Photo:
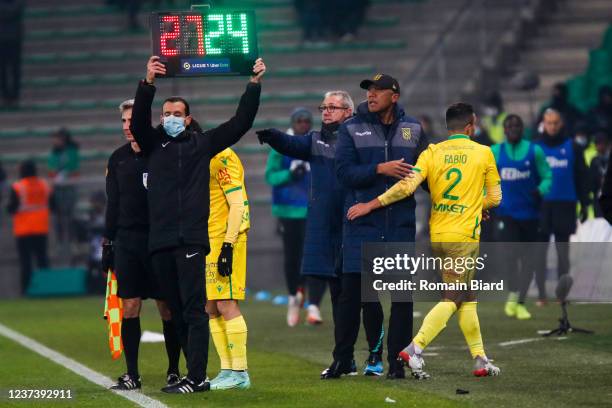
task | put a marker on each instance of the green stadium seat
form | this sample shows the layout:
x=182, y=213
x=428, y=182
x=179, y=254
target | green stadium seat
x=67, y=11
x=58, y=282
x=102, y=56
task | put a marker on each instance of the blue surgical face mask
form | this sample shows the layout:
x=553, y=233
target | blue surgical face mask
x=174, y=125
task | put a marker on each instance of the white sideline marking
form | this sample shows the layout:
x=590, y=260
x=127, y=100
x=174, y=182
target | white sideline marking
x=520, y=341
x=426, y=354
x=78, y=368
x=530, y=340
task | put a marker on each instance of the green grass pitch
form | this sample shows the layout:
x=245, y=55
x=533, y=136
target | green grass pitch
x=285, y=363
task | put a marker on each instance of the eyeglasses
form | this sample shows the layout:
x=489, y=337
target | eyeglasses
x=331, y=108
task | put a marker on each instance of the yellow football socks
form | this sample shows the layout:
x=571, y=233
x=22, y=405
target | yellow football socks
x=470, y=326
x=217, y=331
x=434, y=323
x=236, y=330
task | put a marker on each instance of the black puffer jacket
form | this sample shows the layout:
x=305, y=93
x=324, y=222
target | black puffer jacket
x=178, y=191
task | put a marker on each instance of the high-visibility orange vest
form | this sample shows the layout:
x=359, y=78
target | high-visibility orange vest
x=32, y=216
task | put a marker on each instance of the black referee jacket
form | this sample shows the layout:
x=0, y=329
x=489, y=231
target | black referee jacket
x=126, y=178
x=178, y=189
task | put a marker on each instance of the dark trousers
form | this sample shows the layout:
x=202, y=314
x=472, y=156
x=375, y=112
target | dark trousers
x=293, y=231
x=28, y=247
x=10, y=69
x=347, y=322
x=181, y=272
x=316, y=289
x=518, y=263
x=557, y=218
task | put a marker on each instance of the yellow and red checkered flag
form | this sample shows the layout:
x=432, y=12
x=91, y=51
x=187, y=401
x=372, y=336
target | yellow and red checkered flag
x=113, y=313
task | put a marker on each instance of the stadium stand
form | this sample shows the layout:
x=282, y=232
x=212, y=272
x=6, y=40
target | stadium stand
x=80, y=62
x=563, y=49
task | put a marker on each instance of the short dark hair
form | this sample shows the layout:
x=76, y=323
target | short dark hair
x=459, y=115
x=513, y=116
x=173, y=99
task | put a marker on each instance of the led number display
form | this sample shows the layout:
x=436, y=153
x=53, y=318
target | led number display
x=220, y=42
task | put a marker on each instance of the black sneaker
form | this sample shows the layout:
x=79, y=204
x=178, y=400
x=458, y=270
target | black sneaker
x=396, y=371
x=172, y=379
x=126, y=382
x=338, y=369
x=186, y=386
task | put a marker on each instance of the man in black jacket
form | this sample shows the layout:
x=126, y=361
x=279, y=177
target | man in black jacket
x=125, y=250
x=178, y=196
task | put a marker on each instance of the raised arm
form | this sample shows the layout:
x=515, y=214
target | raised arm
x=298, y=147
x=228, y=133
x=144, y=134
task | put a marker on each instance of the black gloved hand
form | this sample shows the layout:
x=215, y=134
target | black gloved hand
x=535, y=193
x=108, y=256
x=298, y=171
x=264, y=135
x=584, y=213
x=224, y=263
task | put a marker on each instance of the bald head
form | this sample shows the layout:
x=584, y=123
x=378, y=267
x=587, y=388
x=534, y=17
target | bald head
x=553, y=122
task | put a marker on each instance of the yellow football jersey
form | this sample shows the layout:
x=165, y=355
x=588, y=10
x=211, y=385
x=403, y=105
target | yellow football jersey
x=226, y=176
x=457, y=172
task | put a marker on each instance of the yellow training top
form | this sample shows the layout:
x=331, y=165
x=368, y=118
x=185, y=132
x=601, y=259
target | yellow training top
x=227, y=190
x=457, y=171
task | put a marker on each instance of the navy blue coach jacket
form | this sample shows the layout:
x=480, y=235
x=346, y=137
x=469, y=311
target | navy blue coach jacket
x=363, y=143
x=325, y=205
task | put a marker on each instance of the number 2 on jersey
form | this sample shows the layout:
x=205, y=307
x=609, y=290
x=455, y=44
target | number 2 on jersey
x=453, y=184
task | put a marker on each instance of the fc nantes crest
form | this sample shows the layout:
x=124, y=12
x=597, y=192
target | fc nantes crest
x=406, y=133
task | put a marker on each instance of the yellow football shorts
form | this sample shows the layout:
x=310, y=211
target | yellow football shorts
x=458, y=255
x=229, y=287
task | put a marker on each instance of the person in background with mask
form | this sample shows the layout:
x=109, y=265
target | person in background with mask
x=322, y=249
x=570, y=184
x=598, y=168
x=178, y=198
x=290, y=181
x=493, y=118
x=525, y=179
